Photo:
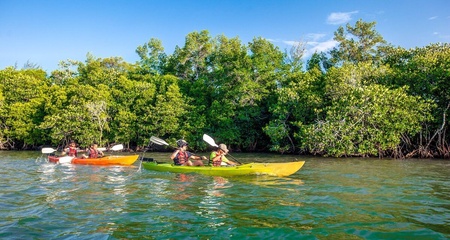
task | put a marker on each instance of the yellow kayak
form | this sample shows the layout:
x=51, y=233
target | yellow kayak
x=272, y=169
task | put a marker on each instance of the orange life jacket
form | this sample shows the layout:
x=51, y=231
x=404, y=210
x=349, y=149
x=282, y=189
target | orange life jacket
x=93, y=153
x=72, y=152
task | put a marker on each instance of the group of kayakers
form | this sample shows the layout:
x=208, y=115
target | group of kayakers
x=181, y=156
x=91, y=152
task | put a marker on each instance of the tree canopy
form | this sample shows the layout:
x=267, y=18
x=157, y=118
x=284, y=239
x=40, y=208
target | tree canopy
x=365, y=97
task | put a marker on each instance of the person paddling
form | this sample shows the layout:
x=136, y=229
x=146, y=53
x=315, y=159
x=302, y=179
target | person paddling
x=216, y=158
x=71, y=150
x=93, y=152
x=181, y=156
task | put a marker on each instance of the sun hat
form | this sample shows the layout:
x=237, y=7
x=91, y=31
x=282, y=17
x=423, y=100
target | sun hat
x=223, y=147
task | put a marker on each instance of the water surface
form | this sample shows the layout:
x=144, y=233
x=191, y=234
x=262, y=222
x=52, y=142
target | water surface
x=326, y=199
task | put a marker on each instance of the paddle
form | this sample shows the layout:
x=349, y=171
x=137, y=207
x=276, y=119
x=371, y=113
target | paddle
x=117, y=147
x=66, y=159
x=48, y=150
x=211, y=142
x=159, y=141
x=113, y=148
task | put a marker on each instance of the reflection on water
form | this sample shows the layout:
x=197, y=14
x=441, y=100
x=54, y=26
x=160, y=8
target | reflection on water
x=268, y=181
x=326, y=199
x=213, y=202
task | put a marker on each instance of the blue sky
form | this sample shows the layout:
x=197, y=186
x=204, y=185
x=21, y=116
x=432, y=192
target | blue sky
x=45, y=32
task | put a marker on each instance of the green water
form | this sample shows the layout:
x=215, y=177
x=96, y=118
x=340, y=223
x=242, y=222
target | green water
x=326, y=199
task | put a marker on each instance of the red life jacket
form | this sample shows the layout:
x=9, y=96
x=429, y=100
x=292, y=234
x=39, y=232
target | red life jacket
x=217, y=162
x=93, y=153
x=181, y=158
x=72, y=152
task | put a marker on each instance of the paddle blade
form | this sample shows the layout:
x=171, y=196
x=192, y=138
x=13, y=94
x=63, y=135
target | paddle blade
x=48, y=150
x=158, y=141
x=117, y=147
x=209, y=140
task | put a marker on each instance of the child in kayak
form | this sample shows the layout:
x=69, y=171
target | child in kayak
x=217, y=158
x=71, y=150
x=181, y=156
x=93, y=152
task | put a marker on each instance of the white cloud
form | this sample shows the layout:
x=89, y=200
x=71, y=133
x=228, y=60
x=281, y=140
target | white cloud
x=312, y=47
x=442, y=36
x=311, y=44
x=340, y=17
x=309, y=39
x=432, y=18
x=291, y=43
x=314, y=36
x=320, y=47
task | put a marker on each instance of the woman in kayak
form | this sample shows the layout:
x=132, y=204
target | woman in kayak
x=218, y=157
x=181, y=156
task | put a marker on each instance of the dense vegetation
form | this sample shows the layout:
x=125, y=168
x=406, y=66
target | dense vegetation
x=363, y=98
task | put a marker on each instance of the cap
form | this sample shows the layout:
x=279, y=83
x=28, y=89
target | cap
x=182, y=143
x=223, y=147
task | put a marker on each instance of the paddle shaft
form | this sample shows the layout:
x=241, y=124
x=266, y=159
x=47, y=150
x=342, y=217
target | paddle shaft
x=233, y=158
x=159, y=141
x=211, y=142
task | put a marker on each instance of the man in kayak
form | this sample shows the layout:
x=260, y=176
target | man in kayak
x=217, y=158
x=181, y=156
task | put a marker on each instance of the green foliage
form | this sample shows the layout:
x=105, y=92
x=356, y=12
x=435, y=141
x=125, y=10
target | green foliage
x=363, y=120
x=298, y=103
x=357, y=43
x=369, y=123
x=23, y=98
x=363, y=98
x=230, y=63
x=319, y=61
x=426, y=72
x=190, y=62
x=168, y=108
x=153, y=58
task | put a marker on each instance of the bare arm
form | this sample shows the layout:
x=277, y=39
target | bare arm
x=198, y=157
x=228, y=161
x=174, y=154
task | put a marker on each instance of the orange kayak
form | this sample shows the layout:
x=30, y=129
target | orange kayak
x=107, y=160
